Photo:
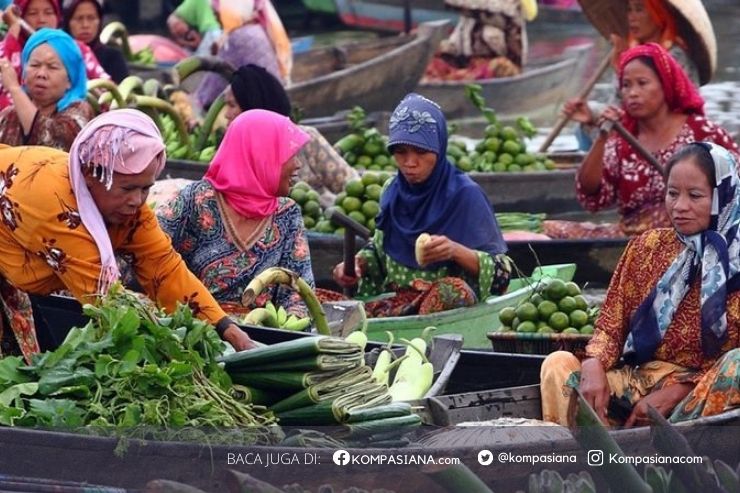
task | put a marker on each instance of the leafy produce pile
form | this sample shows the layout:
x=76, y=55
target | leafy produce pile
x=130, y=366
x=364, y=148
x=556, y=306
x=520, y=221
x=324, y=381
x=278, y=318
x=116, y=34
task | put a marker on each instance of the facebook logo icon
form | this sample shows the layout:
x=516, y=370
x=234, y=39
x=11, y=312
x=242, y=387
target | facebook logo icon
x=341, y=457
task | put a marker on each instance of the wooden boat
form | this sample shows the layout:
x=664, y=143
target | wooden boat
x=376, y=74
x=536, y=92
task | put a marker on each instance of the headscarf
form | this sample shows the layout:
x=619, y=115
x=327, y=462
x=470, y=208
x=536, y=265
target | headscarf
x=70, y=6
x=70, y=55
x=23, y=6
x=256, y=88
x=447, y=203
x=247, y=166
x=714, y=254
x=119, y=141
x=681, y=95
x=664, y=20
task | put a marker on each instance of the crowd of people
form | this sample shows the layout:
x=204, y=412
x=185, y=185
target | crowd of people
x=74, y=188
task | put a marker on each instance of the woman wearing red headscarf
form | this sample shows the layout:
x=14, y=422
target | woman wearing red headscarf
x=37, y=14
x=663, y=109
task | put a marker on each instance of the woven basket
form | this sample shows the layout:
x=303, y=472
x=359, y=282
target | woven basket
x=527, y=343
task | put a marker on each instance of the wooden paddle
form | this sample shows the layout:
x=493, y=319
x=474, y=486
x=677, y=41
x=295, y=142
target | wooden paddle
x=563, y=121
x=632, y=140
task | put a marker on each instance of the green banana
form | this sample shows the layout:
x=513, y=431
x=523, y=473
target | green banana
x=118, y=30
x=208, y=122
x=282, y=316
x=106, y=85
x=161, y=106
x=258, y=316
x=207, y=154
x=187, y=67
x=272, y=321
x=153, y=88
x=297, y=324
x=129, y=86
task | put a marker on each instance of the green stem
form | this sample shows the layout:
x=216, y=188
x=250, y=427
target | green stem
x=208, y=122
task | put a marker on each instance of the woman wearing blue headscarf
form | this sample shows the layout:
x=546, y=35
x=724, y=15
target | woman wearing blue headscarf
x=463, y=260
x=49, y=109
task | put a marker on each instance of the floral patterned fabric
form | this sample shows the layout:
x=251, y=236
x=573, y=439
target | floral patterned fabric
x=57, y=130
x=424, y=297
x=322, y=167
x=195, y=222
x=46, y=247
x=631, y=183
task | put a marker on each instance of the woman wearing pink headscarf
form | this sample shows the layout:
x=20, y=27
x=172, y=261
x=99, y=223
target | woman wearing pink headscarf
x=64, y=215
x=237, y=221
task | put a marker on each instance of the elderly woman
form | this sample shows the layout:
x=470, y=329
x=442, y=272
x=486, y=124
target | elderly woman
x=94, y=204
x=237, y=221
x=464, y=260
x=38, y=14
x=193, y=24
x=83, y=19
x=672, y=310
x=664, y=110
x=50, y=108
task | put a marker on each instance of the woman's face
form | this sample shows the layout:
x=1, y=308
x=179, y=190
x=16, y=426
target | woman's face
x=84, y=23
x=688, y=197
x=641, y=25
x=232, y=107
x=642, y=93
x=128, y=193
x=288, y=176
x=415, y=164
x=40, y=13
x=45, y=76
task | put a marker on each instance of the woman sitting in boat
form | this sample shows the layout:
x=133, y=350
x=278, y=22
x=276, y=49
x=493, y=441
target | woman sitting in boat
x=49, y=109
x=253, y=33
x=649, y=21
x=238, y=221
x=193, y=24
x=672, y=310
x=253, y=87
x=37, y=14
x=664, y=111
x=83, y=20
x=463, y=261
x=64, y=215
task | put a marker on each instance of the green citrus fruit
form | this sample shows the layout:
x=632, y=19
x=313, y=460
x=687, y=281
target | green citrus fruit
x=371, y=224
x=526, y=326
x=505, y=158
x=511, y=147
x=299, y=195
x=382, y=160
x=339, y=231
x=309, y=222
x=358, y=216
x=509, y=133
x=355, y=188
x=384, y=177
x=546, y=308
x=492, y=130
x=513, y=168
x=570, y=330
x=505, y=328
x=324, y=226
x=573, y=289
x=556, y=290
x=545, y=329
x=558, y=321
x=499, y=167
x=370, y=179
x=372, y=192
x=373, y=148
x=524, y=159
x=527, y=311
x=536, y=299
x=340, y=198
x=587, y=329
x=567, y=304
x=370, y=208
x=493, y=144
x=581, y=302
x=352, y=204
x=515, y=323
x=578, y=318
x=364, y=161
x=312, y=209
x=465, y=164
x=507, y=315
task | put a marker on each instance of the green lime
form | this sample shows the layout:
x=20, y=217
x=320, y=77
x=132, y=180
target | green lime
x=465, y=164
x=536, y=299
x=556, y=290
x=581, y=302
x=390, y=167
x=358, y=216
x=384, y=177
x=515, y=323
x=493, y=144
x=570, y=330
x=370, y=179
x=509, y=133
x=382, y=160
x=370, y=208
x=550, y=164
x=372, y=192
x=374, y=167
x=578, y=318
x=355, y=188
x=514, y=168
x=499, y=167
x=340, y=198
x=545, y=329
x=351, y=158
x=312, y=195
x=351, y=204
x=546, y=308
x=339, y=231
x=507, y=315
x=303, y=186
x=364, y=160
x=527, y=312
x=505, y=328
x=493, y=129
x=324, y=226
x=299, y=195
x=567, y=304
x=309, y=222
x=524, y=159
x=541, y=324
x=373, y=148
x=505, y=158
x=526, y=326
x=587, y=329
x=528, y=169
x=512, y=147
x=489, y=157
x=573, y=289
x=312, y=209
x=371, y=225
x=558, y=321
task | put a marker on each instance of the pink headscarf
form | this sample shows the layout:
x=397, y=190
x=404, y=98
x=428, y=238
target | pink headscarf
x=248, y=164
x=120, y=141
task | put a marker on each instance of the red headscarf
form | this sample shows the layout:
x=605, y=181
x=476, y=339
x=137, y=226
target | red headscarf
x=665, y=21
x=680, y=94
x=249, y=162
x=23, y=5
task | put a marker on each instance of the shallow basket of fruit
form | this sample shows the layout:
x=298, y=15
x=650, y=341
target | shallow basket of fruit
x=538, y=343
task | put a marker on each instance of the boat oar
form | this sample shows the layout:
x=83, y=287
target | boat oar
x=632, y=140
x=351, y=228
x=13, y=15
x=563, y=121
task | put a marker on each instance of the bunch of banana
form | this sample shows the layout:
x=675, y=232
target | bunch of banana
x=144, y=56
x=187, y=67
x=278, y=318
x=116, y=34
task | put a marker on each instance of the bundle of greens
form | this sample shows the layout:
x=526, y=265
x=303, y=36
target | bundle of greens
x=130, y=366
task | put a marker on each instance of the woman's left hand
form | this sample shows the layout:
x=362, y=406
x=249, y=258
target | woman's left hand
x=238, y=338
x=439, y=249
x=8, y=77
x=663, y=400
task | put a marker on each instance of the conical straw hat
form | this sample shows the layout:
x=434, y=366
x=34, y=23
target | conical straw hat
x=692, y=22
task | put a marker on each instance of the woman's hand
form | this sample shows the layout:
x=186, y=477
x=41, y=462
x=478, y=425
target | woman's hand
x=348, y=281
x=578, y=110
x=238, y=338
x=594, y=387
x=438, y=249
x=8, y=77
x=663, y=400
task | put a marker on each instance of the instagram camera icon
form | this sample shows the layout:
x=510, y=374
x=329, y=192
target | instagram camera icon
x=595, y=458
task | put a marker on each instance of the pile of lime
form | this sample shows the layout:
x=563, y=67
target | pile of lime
x=360, y=200
x=308, y=199
x=502, y=150
x=556, y=306
x=366, y=150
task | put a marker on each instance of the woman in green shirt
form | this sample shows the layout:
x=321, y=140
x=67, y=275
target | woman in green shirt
x=194, y=25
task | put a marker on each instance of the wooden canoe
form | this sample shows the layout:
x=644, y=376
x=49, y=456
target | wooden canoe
x=375, y=74
x=536, y=92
